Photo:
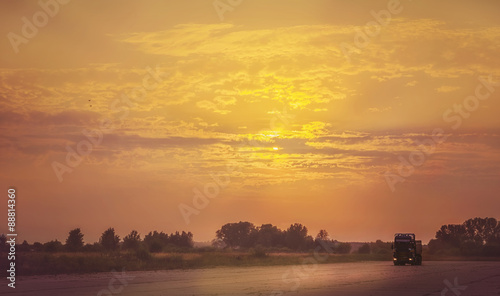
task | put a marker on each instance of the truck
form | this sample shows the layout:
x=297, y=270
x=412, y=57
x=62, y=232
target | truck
x=406, y=249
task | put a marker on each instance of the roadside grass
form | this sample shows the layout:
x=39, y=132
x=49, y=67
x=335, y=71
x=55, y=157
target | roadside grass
x=35, y=263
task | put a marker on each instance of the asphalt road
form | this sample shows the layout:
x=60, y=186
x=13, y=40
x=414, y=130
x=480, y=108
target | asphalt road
x=346, y=279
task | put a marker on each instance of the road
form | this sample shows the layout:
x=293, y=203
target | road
x=345, y=279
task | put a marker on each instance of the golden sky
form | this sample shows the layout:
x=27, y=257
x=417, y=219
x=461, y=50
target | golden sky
x=302, y=110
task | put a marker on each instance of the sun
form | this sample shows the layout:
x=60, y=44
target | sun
x=276, y=148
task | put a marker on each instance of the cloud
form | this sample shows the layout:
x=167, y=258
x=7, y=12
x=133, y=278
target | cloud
x=374, y=109
x=447, y=88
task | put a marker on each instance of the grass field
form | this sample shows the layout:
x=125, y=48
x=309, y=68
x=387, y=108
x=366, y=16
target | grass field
x=33, y=263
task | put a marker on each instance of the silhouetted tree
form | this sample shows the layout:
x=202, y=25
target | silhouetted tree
x=478, y=236
x=380, y=247
x=364, y=249
x=53, y=246
x=296, y=237
x=495, y=238
x=480, y=230
x=74, y=242
x=241, y=234
x=323, y=243
x=182, y=240
x=435, y=245
x=95, y=247
x=491, y=249
x=109, y=240
x=343, y=248
x=218, y=243
x=470, y=248
x=155, y=241
x=269, y=236
x=132, y=241
x=158, y=241
x=37, y=247
x=24, y=247
x=322, y=234
x=451, y=234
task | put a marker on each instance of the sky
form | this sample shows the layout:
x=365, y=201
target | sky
x=364, y=118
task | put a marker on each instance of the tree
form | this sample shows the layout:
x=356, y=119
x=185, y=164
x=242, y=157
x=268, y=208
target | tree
x=53, y=246
x=183, y=240
x=95, y=247
x=295, y=237
x=241, y=234
x=451, y=234
x=380, y=247
x=37, y=247
x=109, y=240
x=218, y=243
x=495, y=238
x=158, y=241
x=24, y=247
x=435, y=245
x=344, y=248
x=269, y=236
x=480, y=230
x=155, y=241
x=132, y=241
x=322, y=235
x=364, y=249
x=74, y=242
x=473, y=237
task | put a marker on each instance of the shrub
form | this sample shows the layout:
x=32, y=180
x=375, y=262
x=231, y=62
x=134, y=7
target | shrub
x=143, y=254
x=344, y=248
x=258, y=251
x=155, y=247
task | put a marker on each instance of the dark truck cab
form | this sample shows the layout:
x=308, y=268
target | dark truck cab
x=406, y=249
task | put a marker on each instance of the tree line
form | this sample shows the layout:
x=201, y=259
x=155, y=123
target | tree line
x=241, y=235
x=474, y=237
x=110, y=242
x=246, y=235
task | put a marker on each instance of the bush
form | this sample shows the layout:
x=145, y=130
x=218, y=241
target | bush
x=258, y=251
x=382, y=251
x=205, y=249
x=143, y=254
x=449, y=252
x=470, y=248
x=95, y=247
x=344, y=248
x=155, y=247
x=53, y=246
x=491, y=249
x=37, y=247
